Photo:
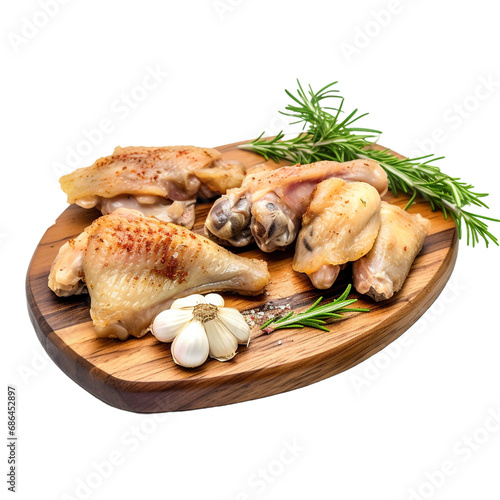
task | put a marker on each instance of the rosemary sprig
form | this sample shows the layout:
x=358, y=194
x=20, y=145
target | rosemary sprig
x=331, y=135
x=316, y=316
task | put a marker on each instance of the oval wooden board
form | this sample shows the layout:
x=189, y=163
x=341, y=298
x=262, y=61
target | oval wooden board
x=139, y=374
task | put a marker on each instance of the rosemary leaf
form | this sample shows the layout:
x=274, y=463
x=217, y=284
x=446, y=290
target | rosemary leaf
x=316, y=316
x=327, y=136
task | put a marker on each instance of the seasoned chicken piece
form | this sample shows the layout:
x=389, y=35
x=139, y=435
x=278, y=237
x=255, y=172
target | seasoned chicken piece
x=269, y=205
x=135, y=266
x=66, y=274
x=339, y=226
x=382, y=272
x=178, y=212
x=163, y=181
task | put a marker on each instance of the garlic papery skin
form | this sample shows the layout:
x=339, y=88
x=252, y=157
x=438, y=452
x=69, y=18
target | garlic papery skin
x=169, y=323
x=234, y=321
x=190, y=348
x=214, y=299
x=223, y=343
x=188, y=302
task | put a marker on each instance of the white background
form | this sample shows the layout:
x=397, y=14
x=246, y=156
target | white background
x=378, y=431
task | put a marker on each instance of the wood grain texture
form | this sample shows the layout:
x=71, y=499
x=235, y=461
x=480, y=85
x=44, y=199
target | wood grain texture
x=139, y=374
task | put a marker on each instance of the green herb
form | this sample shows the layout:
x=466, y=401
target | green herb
x=316, y=316
x=329, y=135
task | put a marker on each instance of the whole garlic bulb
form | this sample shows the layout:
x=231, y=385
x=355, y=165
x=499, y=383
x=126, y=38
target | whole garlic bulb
x=200, y=326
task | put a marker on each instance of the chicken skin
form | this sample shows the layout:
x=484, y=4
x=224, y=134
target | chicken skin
x=269, y=205
x=382, y=272
x=339, y=226
x=135, y=266
x=163, y=181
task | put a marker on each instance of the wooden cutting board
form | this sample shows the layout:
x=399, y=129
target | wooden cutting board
x=139, y=374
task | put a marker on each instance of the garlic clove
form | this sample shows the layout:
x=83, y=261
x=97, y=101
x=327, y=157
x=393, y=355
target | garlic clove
x=189, y=301
x=234, y=321
x=169, y=323
x=223, y=343
x=190, y=348
x=215, y=299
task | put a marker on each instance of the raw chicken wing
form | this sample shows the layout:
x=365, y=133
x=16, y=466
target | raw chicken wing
x=339, y=226
x=269, y=204
x=382, y=272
